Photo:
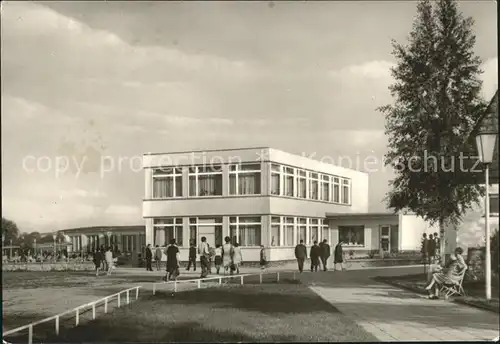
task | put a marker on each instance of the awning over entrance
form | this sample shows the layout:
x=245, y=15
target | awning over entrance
x=362, y=216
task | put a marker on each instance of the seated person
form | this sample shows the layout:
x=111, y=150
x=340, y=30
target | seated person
x=450, y=275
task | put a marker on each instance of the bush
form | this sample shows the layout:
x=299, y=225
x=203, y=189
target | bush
x=494, y=251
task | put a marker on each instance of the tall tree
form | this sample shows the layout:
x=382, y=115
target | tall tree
x=437, y=105
x=9, y=231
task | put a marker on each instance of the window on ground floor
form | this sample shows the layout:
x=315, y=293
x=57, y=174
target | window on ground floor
x=93, y=243
x=288, y=231
x=166, y=229
x=275, y=231
x=245, y=230
x=313, y=230
x=352, y=235
x=301, y=229
x=211, y=228
x=324, y=230
x=129, y=243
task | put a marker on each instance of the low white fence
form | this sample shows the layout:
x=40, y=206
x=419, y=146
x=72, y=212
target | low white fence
x=76, y=311
x=220, y=278
x=107, y=299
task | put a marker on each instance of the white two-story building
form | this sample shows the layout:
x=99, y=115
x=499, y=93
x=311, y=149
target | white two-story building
x=263, y=196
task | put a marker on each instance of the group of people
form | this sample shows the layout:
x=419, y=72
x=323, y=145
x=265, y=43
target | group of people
x=319, y=254
x=227, y=256
x=103, y=260
x=430, y=248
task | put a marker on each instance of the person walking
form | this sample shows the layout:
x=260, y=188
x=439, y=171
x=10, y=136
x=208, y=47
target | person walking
x=173, y=259
x=237, y=257
x=192, y=256
x=338, y=256
x=325, y=254
x=263, y=257
x=98, y=258
x=227, y=255
x=424, y=250
x=301, y=255
x=203, y=252
x=158, y=256
x=315, y=253
x=109, y=260
x=149, y=258
x=218, y=258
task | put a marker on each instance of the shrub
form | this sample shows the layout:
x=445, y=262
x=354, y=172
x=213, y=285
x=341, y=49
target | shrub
x=494, y=251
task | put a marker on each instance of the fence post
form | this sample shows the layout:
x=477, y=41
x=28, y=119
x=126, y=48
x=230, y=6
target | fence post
x=199, y=283
x=30, y=334
x=154, y=288
x=119, y=299
x=260, y=278
x=175, y=286
x=136, y=293
x=77, y=316
x=241, y=280
x=220, y=280
x=93, y=311
x=277, y=277
x=57, y=325
x=106, y=305
x=128, y=297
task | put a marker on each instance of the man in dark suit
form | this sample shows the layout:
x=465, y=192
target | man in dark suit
x=301, y=255
x=315, y=255
x=149, y=258
x=325, y=253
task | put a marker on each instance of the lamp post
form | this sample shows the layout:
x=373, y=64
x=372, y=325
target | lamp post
x=10, y=248
x=485, y=142
x=34, y=246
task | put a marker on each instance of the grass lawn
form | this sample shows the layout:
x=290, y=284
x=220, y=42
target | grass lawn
x=474, y=289
x=232, y=313
x=33, y=295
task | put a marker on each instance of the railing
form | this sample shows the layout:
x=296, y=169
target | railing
x=220, y=278
x=77, y=312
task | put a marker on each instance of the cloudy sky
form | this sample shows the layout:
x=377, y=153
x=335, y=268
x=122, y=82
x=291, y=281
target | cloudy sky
x=87, y=80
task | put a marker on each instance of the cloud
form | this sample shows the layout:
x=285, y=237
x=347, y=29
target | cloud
x=368, y=70
x=120, y=210
x=490, y=77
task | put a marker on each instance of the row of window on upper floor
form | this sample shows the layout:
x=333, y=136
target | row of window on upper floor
x=245, y=179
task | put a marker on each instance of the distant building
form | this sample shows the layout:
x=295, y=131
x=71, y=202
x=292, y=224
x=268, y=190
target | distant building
x=127, y=239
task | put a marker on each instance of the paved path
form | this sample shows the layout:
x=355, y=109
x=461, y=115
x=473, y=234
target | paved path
x=392, y=314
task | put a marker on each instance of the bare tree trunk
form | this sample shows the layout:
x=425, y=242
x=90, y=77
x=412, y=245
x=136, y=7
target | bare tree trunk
x=442, y=241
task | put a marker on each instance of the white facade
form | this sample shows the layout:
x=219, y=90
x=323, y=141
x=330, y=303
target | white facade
x=256, y=196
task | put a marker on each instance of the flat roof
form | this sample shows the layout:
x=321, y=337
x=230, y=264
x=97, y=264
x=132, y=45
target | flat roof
x=209, y=150
x=104, y=228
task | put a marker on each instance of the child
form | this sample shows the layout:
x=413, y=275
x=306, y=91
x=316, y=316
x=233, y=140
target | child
x=218, y=258
x=263, y=258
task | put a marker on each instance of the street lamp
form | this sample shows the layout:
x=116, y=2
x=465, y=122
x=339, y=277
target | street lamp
x=34, y=246
x=485, y=142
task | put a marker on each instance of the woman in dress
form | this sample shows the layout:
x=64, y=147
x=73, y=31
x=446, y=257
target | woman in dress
x=237, y=258
x=338, y=256
x=108, y=256
x=227, y=255
x=218, y=258
x=452, y=275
